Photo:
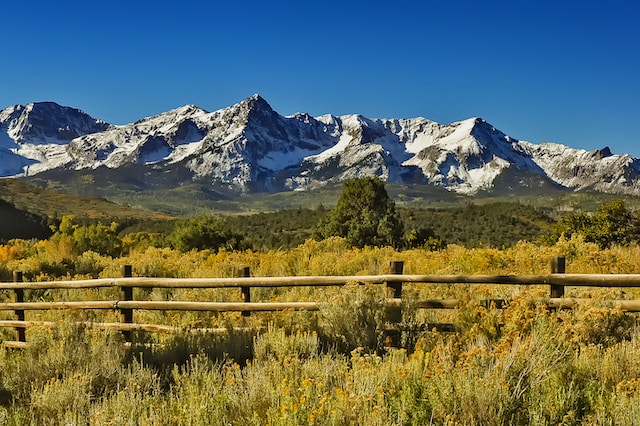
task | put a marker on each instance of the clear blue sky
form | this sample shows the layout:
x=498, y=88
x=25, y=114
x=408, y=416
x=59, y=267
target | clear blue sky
x=562, y=71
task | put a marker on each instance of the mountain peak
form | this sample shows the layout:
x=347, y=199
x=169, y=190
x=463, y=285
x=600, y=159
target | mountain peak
x=478, y=122
x=50, y=107
x=599, y=154
x=250, y=147
x=49, y=122
x=44, y=104
x=256, y=110
x=257, y=102
x=482, y=129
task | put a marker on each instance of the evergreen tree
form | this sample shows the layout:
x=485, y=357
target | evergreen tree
x=364, y=215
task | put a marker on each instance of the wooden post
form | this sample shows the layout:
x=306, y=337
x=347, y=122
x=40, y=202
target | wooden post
x=394, y=313
x=246, y=291
x=19, y=298
x=396, y=268
x=126, y=294
x=557, y=267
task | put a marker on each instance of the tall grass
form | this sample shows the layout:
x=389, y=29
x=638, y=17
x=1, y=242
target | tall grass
x=521, y=365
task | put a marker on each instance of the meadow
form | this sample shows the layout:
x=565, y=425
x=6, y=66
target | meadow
x=523, y=364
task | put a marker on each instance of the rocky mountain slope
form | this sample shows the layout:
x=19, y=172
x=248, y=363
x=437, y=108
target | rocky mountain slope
x=248, y=147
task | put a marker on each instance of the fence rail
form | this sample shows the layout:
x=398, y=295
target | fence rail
x=556, y=280
x=575, y=280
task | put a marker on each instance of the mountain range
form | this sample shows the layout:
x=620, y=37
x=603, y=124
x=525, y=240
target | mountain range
x=250, y=148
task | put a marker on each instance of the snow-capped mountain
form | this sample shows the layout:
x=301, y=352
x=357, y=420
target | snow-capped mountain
x=248, y=147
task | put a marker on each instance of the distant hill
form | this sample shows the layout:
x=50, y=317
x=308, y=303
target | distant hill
x=26, y=210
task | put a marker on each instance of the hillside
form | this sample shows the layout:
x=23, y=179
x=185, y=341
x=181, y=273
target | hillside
x=27, y=210
x=20, y=224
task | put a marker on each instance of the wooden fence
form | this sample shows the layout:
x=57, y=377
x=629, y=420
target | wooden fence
x=126, y=305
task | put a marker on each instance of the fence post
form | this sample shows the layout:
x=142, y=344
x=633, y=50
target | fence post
x=246, y=291
x=557, y=267
x=126, y=294
x=19, y=298
x=393, y=313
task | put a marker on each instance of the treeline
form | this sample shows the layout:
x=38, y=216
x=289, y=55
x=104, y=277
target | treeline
x=493, y=225
x=364, y=216
x=474, y=225
x=81, y=248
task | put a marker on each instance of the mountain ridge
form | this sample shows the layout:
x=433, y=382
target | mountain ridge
x=249, y=147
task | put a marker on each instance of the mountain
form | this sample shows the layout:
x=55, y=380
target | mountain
x=35, y=137
x=249, y=148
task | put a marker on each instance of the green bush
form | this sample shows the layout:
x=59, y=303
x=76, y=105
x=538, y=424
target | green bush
x=202, y=233
x=612, y=224
x=95, y=237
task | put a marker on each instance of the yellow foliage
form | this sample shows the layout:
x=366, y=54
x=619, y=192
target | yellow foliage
x=524, y=363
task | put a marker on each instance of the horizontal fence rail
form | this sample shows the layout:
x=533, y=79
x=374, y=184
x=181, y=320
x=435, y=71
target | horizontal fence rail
x=575, y=280
x=157, y=328
x=557, y=280
x=166, y=306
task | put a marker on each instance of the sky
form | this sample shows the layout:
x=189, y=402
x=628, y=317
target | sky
x=560, y=71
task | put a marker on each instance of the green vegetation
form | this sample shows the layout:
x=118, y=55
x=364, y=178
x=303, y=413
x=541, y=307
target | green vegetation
x=612, y=223
x=95, y=237
x=364, y=215
x=202, y=233
x=432, y=218
x=276, y=230
x=498, y=224
x=473, y=224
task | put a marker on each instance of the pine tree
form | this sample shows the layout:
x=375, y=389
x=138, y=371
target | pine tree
x=364, y=215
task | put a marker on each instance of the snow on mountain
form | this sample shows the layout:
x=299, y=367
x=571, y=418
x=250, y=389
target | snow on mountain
x=36, y=135
x=578, y=169
x=250, y=147
x=47, y=123
x=165, y=136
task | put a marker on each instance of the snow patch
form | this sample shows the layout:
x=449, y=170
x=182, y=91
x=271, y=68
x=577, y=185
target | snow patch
x=278, y=160
x=337, y=149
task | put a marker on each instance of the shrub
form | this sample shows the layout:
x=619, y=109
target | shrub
x=202, y=233
x=354, y=318
x=612, y=224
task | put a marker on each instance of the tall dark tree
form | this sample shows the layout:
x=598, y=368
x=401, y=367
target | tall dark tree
x=364, y=215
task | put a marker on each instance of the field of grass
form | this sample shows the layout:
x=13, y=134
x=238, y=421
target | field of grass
x=521, y=365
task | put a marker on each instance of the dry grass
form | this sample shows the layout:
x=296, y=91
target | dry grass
x=521, y=365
